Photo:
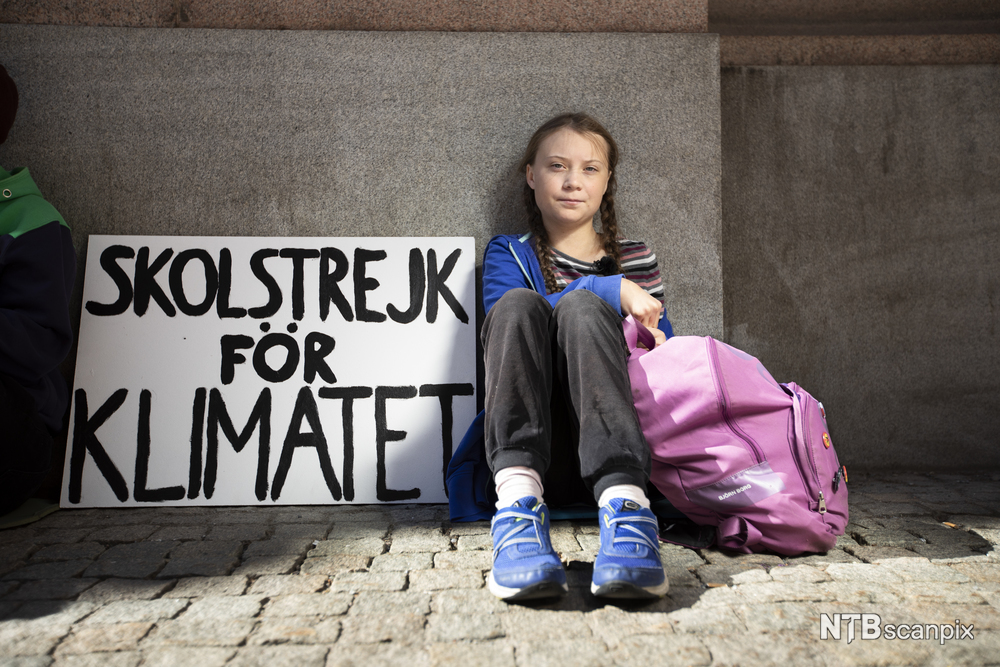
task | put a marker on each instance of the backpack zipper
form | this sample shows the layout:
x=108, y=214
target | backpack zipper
x=723, y=396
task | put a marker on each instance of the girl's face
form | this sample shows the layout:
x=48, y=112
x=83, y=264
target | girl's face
x=569, y=176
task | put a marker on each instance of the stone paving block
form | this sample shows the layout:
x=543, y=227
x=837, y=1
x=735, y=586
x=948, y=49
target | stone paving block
x=375, y=530
x=7, y=586
x=681, y=577
x=780, y=617
x=469, y=528
x=171, y=656
x=832, y=556
x=302, y=605
x=563, y=537
x=677, y=649
x=883, y=537
x=462, y=654
x=303, y=515
x=125, y=533
x=672, y=555
x=561, y=652
x=61, y=535
x=863, y=572
x=347, y=582
x=859, y=592
x=716, y=557
x=402, y=562
x=777, y=648
x=61, y=570
x=464, y=627
x=334, y=565
x=223, y=607
x=436, y=580
x=612, y=624
x=921, y=569
x=201, y=632
x=120, y=659
x=284, y=656
x=51, y=589
x=537, y=625
x=221, y=549
x=136, y=611
x=124, y=567
x=589, y=542
x=264, y=565
x=479, y=601
x=295, y=630
x=463, y=560
x=197, y=567
x=707, y=620
x=139, y=551
x=984, y=571
x=27, y=638
x=938, y=553
x=176, y=533
x=368, y=546
x=723, y=574
x=876, y=554
x=16, y=553
x=373, y=603
x=387, y=655
x=781, y=592
x=991, y=535
x=713, y=597
x=26, y=661
x=377, y=628
x=207, y=586
x=279, y=547
x=420, y=538
x=845, y=541
x=99, y=638
x=50, y=611
x=281, y=584
x=802, y=573
x=941, y=593
x=239, y=532
x=301, y=531
x=475, y=542
x=74, y=551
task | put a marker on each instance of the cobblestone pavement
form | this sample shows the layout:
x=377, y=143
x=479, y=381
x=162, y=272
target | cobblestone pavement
x=394, y=584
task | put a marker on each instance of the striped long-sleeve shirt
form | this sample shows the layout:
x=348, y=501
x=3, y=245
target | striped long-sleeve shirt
x=638, y=261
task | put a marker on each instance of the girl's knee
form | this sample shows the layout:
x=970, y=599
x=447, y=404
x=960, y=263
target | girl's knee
x=581, y=303
x=521, y=300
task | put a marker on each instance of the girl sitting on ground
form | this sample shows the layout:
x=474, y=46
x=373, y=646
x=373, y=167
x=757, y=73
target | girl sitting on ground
x=559, y=417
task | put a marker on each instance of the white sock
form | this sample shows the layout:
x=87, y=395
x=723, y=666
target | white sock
x=515, y=483
x=627, y=491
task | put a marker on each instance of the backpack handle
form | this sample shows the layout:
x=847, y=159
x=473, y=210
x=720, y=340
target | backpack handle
x=635, y=333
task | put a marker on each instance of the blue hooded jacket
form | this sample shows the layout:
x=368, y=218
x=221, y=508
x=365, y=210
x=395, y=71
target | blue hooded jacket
x=508, y=263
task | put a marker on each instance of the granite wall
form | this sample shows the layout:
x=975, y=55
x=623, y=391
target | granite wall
x=289, y=133
x=861, y=251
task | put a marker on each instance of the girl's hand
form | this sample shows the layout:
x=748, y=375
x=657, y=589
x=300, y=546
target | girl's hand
x=641, y=306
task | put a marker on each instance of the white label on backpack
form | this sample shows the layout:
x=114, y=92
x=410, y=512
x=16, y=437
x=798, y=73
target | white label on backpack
x=745, y=488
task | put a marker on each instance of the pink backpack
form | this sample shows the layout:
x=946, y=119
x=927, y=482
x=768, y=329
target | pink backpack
x=732, y=448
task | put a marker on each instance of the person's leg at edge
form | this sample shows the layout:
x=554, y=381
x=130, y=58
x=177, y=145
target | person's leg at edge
x=518, y=357
x=590, y=360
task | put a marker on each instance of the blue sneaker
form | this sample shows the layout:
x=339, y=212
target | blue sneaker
x=524, y=565
x=628, y=564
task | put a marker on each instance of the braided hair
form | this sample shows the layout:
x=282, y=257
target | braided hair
x=587, y=126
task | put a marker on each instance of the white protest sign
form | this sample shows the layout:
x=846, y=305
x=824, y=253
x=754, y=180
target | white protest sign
x=256, y=371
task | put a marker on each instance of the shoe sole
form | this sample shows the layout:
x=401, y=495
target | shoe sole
x=623, y=590
x=544, y=589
